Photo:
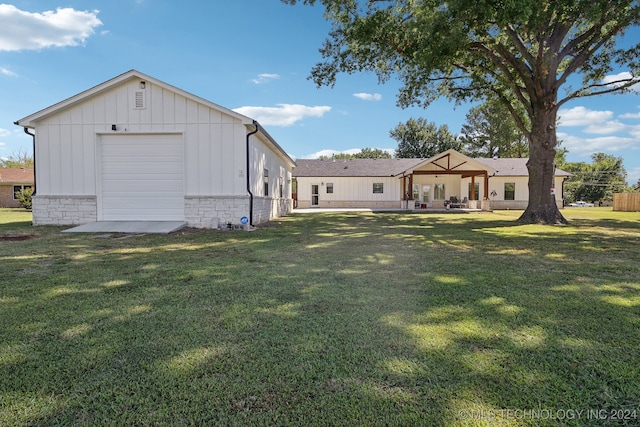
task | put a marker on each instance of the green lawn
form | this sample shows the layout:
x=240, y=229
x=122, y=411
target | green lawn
x=325, y=319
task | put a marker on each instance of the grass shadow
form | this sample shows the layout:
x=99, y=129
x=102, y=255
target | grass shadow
x=332, y=319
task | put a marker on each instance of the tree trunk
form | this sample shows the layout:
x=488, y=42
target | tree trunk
x=542, y=208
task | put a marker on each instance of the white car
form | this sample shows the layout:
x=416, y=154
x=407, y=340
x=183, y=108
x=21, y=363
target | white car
x=582, y=204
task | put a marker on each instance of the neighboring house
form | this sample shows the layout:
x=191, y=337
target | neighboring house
x=136, y=148
x=410, y=183
x=13, y=180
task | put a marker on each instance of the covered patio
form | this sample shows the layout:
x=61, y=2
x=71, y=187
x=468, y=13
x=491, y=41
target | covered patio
x=448, y=180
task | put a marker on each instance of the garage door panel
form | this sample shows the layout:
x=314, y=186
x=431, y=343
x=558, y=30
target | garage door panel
x=150, y=178
x=142, y=177
x=142, y=150
x=121, y=167
x=143, y=186
x=123, y=203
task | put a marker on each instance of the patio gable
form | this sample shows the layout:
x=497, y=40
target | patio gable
x=451, y=162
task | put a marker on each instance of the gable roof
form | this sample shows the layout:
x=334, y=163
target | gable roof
x=29, y=121
x=354, y=167
x=109, y=84
x=453, y=160
x=396, y=167
x=16, y=175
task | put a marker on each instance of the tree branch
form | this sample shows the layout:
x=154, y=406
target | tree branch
x=585, y=91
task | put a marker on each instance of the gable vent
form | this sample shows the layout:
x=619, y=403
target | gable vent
x=140, y=100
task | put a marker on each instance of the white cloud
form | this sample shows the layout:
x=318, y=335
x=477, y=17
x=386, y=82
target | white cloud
x=282, y=115
x=4, y=132
x=264, y=78
x=587, y=146
x=7, y=72
x=622, y=76
x=21, y=30
x=606, y=128
x=630, y=116
x=581, y=116
x=634, y=131
x=368, y=96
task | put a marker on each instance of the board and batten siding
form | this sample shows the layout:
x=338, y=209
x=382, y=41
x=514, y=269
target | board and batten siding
x=497, y=183
x=67, y=140
x=351, y=192
x=271, y=205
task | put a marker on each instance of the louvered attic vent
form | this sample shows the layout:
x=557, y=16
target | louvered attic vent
x=140, y=100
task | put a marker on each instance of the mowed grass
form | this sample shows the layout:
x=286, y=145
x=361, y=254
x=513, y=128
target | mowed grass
x=325, y=319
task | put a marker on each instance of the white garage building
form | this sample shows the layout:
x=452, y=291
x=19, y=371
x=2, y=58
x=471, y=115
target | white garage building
x=135, y=148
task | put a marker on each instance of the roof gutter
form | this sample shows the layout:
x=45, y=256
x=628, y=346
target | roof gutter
x=248, y=174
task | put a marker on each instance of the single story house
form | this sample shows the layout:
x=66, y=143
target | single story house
x=13, y=180
x=135, y=148
x=416, y=183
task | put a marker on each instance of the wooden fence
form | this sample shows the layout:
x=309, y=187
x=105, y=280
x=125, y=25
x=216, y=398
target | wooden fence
x=626, y=202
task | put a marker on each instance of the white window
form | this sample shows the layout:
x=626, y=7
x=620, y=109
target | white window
x=378, y=188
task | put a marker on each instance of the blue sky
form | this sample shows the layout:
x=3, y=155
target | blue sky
x=253, y=56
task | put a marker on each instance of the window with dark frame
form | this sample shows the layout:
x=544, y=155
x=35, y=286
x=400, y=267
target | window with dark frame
x=378, y=188
x=19, y=188
x=509, y=190
x=329, y=187
x=266, y=182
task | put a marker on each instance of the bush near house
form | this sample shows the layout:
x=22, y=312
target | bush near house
x=24, y=197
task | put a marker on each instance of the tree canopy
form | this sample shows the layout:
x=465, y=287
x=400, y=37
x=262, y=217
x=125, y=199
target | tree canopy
x=596, y=181
x=490, y=131
x=19, y=159
x=418, y=138
x=365, y=153
x=532, y=55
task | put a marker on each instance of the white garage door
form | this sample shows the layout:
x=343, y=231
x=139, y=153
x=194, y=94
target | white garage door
x=142, y=178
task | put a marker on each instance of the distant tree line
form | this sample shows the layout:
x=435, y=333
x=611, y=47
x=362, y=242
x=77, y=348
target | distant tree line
x=365, y=153
x=19, y=159
x=490, y=132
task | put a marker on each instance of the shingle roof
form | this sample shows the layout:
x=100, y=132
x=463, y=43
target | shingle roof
x=395, y=167
x=354, y=167
x=16, y=175
x=512, y=167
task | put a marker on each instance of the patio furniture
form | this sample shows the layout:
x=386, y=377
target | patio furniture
x=455, y=203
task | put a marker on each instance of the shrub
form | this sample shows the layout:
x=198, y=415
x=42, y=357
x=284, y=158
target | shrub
x=24, y=197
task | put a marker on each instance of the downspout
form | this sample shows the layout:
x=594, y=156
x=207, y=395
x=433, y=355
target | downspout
x=248, y=175
x=33, y=137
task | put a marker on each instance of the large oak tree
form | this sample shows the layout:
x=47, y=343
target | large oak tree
x=532, y=55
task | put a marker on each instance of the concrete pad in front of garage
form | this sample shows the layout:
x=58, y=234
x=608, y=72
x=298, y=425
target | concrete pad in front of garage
x=130, y=227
